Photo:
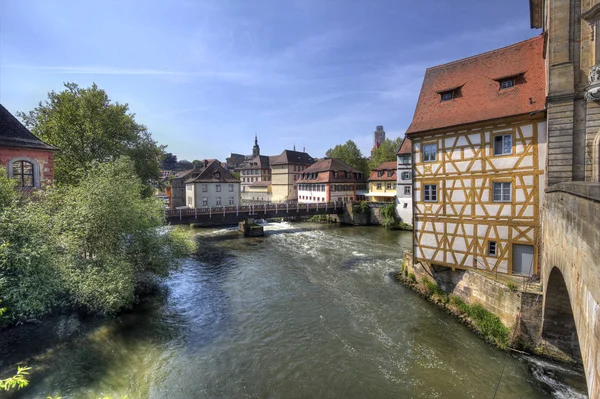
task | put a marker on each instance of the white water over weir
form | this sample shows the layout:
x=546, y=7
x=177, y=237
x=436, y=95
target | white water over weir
x=308, y=311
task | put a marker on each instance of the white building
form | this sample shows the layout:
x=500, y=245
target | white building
x=214, y=187
x=404, y=203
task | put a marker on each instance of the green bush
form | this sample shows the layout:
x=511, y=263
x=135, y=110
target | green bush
x=88, y=245
x=412, y=277
x=432, y=287
x=485, y=321
x=363, y=207
x=388, y=215
x=512, y=286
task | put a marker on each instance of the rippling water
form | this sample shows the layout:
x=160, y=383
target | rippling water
x=309, y=311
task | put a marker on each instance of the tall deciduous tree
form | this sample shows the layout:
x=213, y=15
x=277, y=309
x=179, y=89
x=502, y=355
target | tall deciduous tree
x=385, y=153
x=169, y=162
x=86, y=126
x=350, y=154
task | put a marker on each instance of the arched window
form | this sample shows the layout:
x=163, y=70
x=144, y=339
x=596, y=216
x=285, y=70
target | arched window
x=23, y=173
x=26, y=171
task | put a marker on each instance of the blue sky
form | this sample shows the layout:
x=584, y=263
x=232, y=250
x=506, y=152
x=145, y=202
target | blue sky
x=205, y=76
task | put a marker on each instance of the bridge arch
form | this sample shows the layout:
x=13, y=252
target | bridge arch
x=559, y=329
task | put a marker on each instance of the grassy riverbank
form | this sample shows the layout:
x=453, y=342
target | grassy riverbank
x=476, y=317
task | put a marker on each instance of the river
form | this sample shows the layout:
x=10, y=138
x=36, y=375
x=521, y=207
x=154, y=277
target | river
x=309, y=311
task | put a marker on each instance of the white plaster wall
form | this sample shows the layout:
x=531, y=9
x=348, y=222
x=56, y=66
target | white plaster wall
x=211, y=194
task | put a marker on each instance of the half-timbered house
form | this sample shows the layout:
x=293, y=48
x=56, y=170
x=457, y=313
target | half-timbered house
x=479, y=151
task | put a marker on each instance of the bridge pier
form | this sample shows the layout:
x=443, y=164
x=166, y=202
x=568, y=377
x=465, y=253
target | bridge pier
x=571, y=275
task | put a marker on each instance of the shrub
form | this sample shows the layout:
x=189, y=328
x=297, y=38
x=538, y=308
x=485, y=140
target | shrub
x=88, y=245
x=485, y=321
x=512, y=286
x=363, y=207
x=412, y=277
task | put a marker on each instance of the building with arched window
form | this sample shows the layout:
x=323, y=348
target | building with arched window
x=26, y=158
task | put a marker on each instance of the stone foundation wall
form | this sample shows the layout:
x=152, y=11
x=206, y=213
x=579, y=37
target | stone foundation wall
x=359, y=218
x=518, y=310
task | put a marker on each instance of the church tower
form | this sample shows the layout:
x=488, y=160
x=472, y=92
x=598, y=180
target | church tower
x=256, y=148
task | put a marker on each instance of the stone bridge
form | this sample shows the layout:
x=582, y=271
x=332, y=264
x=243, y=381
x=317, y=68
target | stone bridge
x=571, y=276
x=231, y=215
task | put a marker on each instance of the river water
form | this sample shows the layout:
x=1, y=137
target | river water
x=309, y=311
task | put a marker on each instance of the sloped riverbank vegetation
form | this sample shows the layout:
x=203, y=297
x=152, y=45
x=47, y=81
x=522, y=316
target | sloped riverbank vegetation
x=475, y=316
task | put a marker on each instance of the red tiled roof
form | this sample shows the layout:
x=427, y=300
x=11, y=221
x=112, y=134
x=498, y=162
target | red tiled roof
x=406, y=147
x=479, y=97
x=325, y=168
x=384, y=167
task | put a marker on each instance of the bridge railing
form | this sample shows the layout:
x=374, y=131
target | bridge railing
x=253, y=210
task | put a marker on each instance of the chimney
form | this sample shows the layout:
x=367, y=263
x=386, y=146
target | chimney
x=205, y=163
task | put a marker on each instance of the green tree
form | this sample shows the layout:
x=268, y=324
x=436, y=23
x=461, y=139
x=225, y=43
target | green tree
x=350, y=154
x=86, y=126
x=91, y=245
x=113, y=238
x=169, y=162
x=184, y=165
x=385, y=153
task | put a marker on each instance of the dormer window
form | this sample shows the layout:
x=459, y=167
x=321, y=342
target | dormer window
x=507, y=83
x=510, y=81
x=447, y=95
x=379, y=173
x=217, y=175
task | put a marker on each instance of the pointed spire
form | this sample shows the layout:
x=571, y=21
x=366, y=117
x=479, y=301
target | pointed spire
x=294, y=147
x=255, y=139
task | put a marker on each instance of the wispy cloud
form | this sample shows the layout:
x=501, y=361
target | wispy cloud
x=110, y=70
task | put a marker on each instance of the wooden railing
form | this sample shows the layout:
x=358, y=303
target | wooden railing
x=256, y=210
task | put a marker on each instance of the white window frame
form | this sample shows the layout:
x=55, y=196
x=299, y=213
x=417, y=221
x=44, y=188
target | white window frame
x=427, y=152
x=218, y=187
x=502, y=188
x=504, y=83
x=431, y=191
x=407, y=190
x=218, y=201
x=231, y=201
x=204, y=201
x=405, y=175
x=503, y=138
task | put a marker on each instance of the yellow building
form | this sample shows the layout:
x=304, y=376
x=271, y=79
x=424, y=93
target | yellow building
x=383, y=182
x=285, y=171
x=479, y=152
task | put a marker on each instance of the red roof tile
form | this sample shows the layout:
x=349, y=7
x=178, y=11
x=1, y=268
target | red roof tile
x=324, y=170
x=384, y=167
x=479, y=97
x=406, y=147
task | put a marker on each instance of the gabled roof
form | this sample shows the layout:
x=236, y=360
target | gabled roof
x=183, y=173
x=406, y=147
x=211, y=171
x=288, y=157
x=384, y=167
x=14, y=134
x=478, y=95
